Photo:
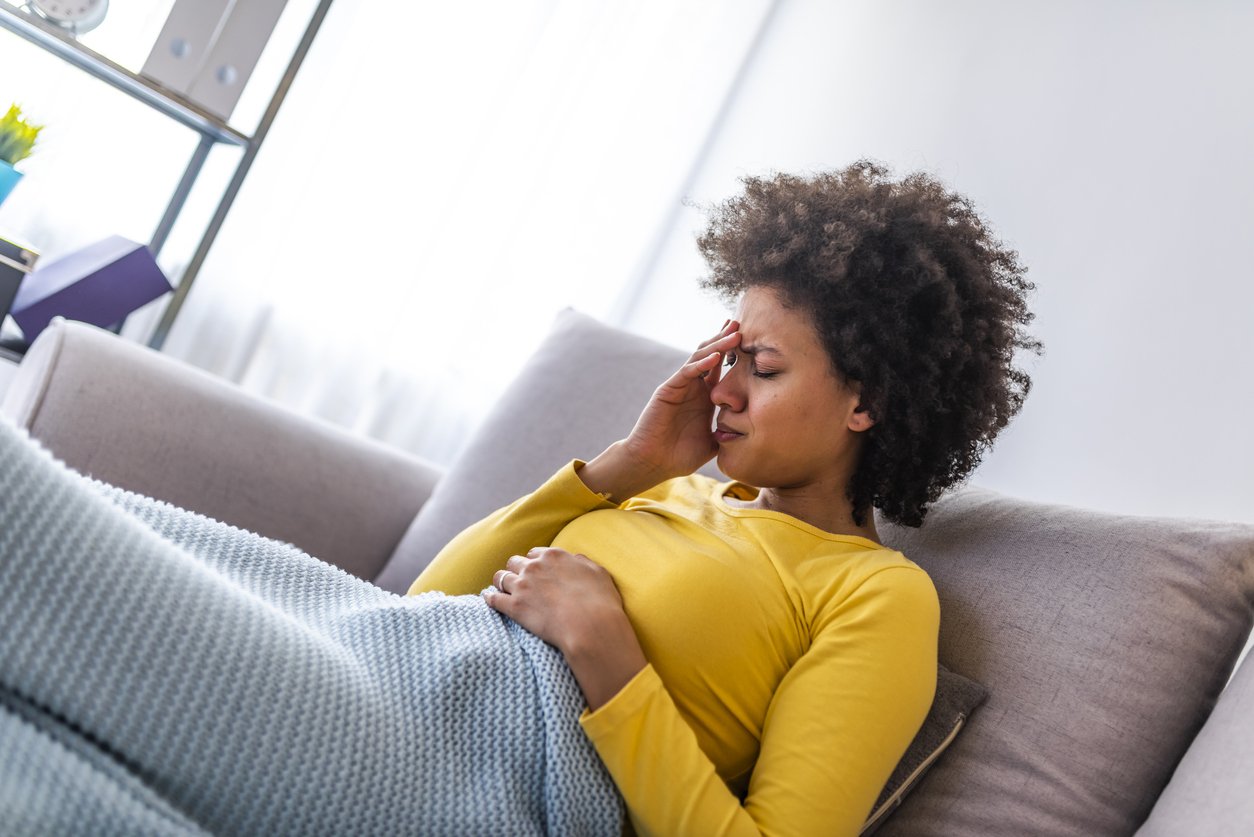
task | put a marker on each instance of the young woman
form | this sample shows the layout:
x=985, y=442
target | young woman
x=753, y=659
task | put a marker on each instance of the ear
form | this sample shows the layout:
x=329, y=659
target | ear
x=860, y=419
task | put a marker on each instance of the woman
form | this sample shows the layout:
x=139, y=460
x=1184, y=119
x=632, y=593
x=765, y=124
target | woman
x=751, y=656
x=753, y=659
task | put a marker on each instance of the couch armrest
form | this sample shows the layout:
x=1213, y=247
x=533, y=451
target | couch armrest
x=1210, y=791
x=132, y=417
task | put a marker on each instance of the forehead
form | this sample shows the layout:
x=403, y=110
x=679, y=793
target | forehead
x=764, y=318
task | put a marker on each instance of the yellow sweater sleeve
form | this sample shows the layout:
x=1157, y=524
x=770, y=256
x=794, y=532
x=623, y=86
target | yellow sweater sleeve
x=466, y=564
x=837, y=725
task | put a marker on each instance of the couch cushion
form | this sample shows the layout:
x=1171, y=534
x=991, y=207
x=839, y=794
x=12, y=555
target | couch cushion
x=536, y=427
x=1104, y=641
x=1210, y=791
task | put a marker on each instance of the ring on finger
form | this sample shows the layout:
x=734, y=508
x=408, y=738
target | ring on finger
x=500, y=584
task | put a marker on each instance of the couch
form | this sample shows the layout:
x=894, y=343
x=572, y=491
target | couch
x=1107, y=643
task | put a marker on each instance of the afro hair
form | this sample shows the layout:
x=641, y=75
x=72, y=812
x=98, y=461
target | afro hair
x=914, y=300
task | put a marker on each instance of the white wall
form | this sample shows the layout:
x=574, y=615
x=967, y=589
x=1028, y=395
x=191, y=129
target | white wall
x=1112, y=144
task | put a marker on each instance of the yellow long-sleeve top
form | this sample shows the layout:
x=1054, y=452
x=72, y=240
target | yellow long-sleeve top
x=789, y=668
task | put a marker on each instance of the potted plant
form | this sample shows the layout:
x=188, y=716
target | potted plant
x=17, y=139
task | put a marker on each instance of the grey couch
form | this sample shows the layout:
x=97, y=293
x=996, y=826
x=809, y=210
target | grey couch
x=1106, y=642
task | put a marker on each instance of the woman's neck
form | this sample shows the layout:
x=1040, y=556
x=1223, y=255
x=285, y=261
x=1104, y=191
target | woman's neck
x=817, y=507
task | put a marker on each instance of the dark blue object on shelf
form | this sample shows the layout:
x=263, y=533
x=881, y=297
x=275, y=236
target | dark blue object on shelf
x=99, y=284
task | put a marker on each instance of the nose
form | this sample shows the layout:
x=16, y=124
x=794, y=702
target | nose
x=729, y=392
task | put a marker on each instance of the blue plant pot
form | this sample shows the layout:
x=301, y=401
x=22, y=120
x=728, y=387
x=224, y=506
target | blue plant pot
x=9, y=177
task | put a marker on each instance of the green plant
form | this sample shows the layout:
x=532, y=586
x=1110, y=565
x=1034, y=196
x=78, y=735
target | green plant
x=17, y=136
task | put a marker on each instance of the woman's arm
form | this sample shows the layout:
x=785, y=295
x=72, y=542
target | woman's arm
x=671, y=438
x=467, y=563
x=838, y=723
x=570, y=601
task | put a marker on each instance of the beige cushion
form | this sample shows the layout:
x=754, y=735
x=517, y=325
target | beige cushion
x=1104, y=641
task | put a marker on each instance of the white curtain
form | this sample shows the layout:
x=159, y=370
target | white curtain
x=441, y=181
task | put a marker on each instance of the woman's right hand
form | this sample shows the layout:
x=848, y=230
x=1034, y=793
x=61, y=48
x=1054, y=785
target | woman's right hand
x=673, y=436
x=674, y=433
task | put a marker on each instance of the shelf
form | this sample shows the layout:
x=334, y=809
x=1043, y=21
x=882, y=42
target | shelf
x=211, y=129
x=150, y=93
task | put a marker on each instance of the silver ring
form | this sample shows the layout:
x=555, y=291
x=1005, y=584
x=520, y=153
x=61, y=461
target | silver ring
x=501, y=584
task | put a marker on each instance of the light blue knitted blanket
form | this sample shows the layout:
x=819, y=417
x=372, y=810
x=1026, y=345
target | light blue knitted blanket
x=163, y=673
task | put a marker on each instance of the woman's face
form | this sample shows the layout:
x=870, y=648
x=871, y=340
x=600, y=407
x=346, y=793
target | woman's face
x=784, y=420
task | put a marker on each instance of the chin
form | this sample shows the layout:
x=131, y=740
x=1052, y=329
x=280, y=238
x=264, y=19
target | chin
x=728, y=466
x=759, y=477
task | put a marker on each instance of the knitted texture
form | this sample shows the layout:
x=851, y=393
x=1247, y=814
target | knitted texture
x=163, y=673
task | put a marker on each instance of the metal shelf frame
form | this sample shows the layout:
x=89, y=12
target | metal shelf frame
x=212, y=131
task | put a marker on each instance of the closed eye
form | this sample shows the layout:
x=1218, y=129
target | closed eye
x=730, y=358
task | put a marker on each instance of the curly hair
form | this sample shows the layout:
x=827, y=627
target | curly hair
x=916, y=302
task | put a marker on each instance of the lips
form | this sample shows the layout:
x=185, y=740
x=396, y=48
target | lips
x=723, y=434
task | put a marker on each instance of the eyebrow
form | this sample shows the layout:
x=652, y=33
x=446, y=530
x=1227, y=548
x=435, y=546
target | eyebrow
x=761, y=350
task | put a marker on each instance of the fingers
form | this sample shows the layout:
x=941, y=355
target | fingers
x=718, y=347
x=729, y=327
x=707, y=368
x=705, y=363
x=514, y=567
x=729, y=336
x=721, y=333
x=500, y=602
x=506, y=581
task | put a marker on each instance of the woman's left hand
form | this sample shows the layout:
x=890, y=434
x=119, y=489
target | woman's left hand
x=571, y=603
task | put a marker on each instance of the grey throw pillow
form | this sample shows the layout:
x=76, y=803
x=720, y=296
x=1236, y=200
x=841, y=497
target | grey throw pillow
x=1104, y=641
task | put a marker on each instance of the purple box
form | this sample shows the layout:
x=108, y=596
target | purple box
x=99, y=284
